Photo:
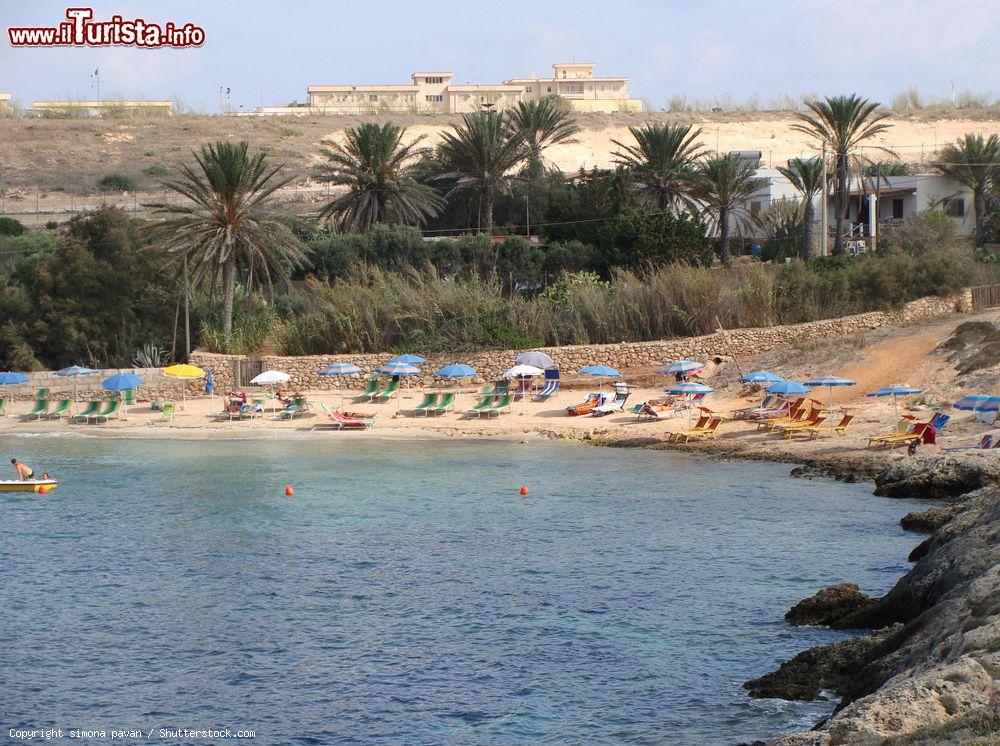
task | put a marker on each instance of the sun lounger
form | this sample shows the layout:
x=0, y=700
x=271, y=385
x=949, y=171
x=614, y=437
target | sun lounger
x=110, y=409
x=92, y=408
x=594, y=399
x=40, y=410
x=485, y=401
x=616, y=404
x=61, y=410
x=430, y=401
x=387, y=392
x=447, y=402
x=370, y=391
x=708, y=431
x=502, y=405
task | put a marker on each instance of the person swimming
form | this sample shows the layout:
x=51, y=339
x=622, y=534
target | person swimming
x=24, y=472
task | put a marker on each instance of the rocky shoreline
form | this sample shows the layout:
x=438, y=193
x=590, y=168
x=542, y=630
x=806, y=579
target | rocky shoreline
x=929, y=669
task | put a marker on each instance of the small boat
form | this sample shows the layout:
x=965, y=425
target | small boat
x=31, y=485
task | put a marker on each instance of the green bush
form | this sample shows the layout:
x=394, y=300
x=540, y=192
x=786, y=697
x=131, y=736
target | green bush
x=116, y=183
x=10, y=227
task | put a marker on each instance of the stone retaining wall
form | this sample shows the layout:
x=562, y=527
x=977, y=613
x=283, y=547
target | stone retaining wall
x=624, y=356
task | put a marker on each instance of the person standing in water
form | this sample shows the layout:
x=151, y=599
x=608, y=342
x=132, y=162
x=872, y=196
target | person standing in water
x=24, y=472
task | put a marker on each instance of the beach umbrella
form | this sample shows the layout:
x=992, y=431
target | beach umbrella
x=831, y=382
x=689, y=388
x=600, y=372
x=456, y=371
x=12, y=378
x=399, y=368
x=896, y=390
x=184, y=372
x=340, y=370
x=682, y=367
x=74, y=372
x=411, y=359
x=270, y=378
x=535, y=358
x=121, y=382
x=761, y=376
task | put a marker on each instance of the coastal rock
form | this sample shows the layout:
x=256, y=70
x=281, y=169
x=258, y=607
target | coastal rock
x=829, y=605
x=927, y=521
x=938, y=477
x=933, y=664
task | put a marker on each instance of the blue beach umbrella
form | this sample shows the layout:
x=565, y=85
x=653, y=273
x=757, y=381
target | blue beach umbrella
x=683, y=367
x=896, y=390
x=831, y=382
x=12, y=378
x=761, y=376
x=411, y=359
x=74, y=372
x=788, y=388
x=339, y=370
x=456, y=370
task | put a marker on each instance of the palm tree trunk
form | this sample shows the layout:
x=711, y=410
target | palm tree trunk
x=838, y=240
x=724, y=237
x=807, y=230
x=979, y=206
x=228, y=295
x=488, y=207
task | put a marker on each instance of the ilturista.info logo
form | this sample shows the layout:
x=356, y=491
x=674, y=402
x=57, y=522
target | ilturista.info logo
x=80, y=29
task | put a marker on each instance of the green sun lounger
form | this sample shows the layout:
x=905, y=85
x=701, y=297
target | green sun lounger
x=430, y=402
x=40, y=410
x=369, y=392
x=92, y=408
x=61, y=410
x=387, y=392
x=107, y=413
x=503, y=404
x=484, y=403
x=447, y=402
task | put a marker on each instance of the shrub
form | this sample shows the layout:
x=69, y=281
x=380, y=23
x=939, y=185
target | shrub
x=10, y=226
x=116, y=183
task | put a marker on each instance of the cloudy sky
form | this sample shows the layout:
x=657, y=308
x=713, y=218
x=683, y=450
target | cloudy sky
x=713, y=49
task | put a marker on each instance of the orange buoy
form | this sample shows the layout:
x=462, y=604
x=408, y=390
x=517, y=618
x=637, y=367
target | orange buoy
x=289, y=491
x=524, y=490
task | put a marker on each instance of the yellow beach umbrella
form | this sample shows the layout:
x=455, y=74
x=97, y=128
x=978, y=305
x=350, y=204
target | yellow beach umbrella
x=185, y=372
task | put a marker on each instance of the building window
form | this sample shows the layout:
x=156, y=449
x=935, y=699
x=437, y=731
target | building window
x=435, y=98
x=433, y=80
x=954, y=207
x=897, y=209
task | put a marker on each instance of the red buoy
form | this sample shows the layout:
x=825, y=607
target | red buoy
x=524, y=490
x=289, y=491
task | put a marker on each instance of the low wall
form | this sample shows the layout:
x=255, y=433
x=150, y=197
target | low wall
x=624, y=356
x=154, y=385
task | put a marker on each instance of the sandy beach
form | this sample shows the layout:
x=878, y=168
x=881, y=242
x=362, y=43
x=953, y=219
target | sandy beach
x=903, y=354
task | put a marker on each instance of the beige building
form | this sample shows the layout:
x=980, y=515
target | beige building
x=434, y=91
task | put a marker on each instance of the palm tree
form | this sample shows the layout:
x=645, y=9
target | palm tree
x=540, y=124
x=379, y=172
x=806, y=175
x=975, y=162
x=226, y=225
x=480, y=153
x=662, y=161
x=723, y=184
x=843, y=123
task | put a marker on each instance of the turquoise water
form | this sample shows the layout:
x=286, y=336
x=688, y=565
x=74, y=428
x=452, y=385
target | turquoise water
x=408, y=593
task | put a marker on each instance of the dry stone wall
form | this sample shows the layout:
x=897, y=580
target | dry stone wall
x=624, y=356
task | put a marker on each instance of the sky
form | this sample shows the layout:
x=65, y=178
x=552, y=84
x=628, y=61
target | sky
x=268, y=52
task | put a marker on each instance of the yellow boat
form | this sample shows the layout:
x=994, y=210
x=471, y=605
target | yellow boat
x=31, y=485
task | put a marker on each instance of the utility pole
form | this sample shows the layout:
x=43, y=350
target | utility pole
x=823, y=217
